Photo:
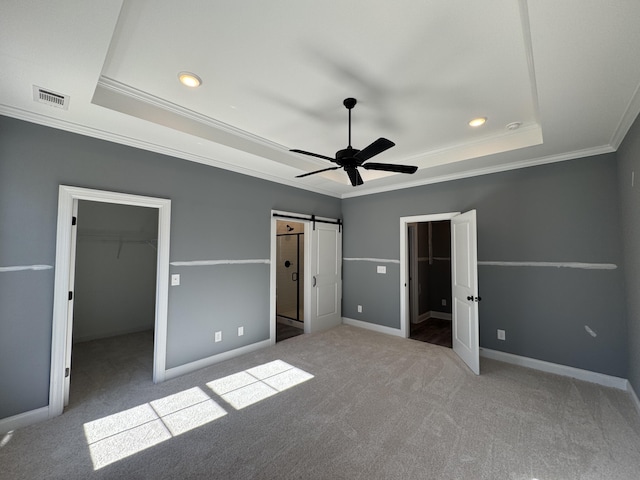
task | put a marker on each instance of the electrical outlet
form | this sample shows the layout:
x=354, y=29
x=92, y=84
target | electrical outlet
x=240, y=331
x=501, y=334
x=218, y=336
x=359, y=308
x=175, y=279
x=381, y=269
x=444, y=302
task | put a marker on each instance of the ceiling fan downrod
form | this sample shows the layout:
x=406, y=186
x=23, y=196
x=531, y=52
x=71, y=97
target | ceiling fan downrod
x=349, y=103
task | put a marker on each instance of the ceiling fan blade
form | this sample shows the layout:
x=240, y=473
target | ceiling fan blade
x=390, y=167
x=314, y=155
x=354, y=176
x=317, y=171
x=379, y=146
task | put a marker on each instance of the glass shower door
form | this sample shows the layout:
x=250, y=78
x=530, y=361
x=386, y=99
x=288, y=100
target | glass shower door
x=290, y=276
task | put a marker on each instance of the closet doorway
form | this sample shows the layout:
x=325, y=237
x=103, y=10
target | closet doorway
x=464, y=282
x=69, y=198
x=114, y=296
x=429, y=256
x=290, y=254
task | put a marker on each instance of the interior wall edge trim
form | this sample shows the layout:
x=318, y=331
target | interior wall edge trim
x=20, y=268
x=199, y=263
x=376, y=260
x=583, y=265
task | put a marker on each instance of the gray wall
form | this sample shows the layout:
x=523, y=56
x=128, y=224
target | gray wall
x=115, y=274
x=216, y=215
x=628, y=162
x=563, y=212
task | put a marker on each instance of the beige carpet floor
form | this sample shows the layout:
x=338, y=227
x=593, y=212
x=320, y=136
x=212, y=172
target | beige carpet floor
x=342, y=404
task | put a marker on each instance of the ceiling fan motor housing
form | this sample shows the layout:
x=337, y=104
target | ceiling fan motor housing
x=346, y=154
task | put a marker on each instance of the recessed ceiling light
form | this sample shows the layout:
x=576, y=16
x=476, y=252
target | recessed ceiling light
x=476, y=122
x=189, y=79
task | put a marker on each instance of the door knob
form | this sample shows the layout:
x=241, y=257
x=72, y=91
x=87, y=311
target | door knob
x=470, y=298
x=474, y=299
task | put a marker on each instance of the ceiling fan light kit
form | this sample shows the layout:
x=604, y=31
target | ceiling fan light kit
x=351, y=158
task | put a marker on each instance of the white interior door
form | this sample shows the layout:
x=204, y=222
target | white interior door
x=325, y=277
x=72, y=274
x=464, y=279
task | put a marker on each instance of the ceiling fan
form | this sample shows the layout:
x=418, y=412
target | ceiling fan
x=351, y=158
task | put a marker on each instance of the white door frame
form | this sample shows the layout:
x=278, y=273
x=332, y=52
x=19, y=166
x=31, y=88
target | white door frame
x=412, y=256
x=300, y=218
x=404, y=259
x=307, y=221
x=67, y=197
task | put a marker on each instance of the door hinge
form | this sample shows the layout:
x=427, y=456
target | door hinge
x=67, y=372
x=74, y=220
x=70, y=295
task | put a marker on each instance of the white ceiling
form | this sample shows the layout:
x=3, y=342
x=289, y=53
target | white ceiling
x=275, y=74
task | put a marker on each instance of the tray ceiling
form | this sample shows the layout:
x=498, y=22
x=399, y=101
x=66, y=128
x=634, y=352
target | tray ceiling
x=274, y=75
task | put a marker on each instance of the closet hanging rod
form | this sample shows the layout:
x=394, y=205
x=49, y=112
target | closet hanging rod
x=118, y=237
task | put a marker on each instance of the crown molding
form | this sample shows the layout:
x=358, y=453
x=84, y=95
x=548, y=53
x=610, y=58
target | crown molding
x=161, y=149
x=149, y=146
x=487, y=170
x=135, y=94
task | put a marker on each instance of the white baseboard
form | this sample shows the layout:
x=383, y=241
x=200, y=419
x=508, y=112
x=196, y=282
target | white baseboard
x=634, y=397
x=290, y=322
x=207, y=362
x=24, y=419
x=432, y=314
x=109, y=334
x=372, y=326
x=423, y=317
x=564, y=370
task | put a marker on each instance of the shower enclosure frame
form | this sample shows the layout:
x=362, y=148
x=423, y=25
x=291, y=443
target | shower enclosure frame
x=298, y=274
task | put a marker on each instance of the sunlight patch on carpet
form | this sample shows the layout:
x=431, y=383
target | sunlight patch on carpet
x=131, y=431
x=255, y=384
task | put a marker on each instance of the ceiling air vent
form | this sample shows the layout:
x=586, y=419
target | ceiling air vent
x=51, y=98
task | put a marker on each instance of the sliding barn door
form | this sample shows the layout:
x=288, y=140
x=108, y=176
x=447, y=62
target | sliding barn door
x=464, y=276
x=326, y=273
